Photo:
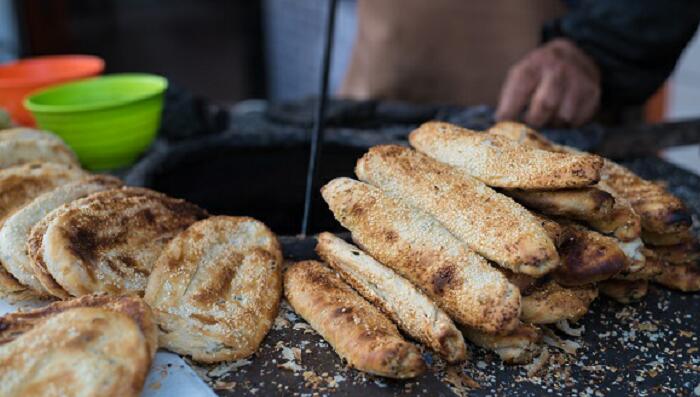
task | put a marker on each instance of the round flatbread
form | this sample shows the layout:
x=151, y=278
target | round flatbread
x=24, y=145
x=15, y=231
x=15, y=324
x=35, y=251
x=216, y=289
x=79, y=352
x=19, y=186
x=109, y=241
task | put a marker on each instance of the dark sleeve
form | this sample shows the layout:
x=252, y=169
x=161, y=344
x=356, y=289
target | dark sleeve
x=636, y=43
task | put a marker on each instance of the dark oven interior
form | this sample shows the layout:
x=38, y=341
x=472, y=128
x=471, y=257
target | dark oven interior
x=266, y=183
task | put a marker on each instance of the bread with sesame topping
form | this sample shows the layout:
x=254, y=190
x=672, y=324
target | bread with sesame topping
x=678, y=254
x=684, y=277
x=580, y=204
x=621, y=222
x=502, y=162
x=85, y=351
x=489, y=223
x=525, y=135
x=651, y=267
x=358, y=331
x=624, y=291
x=109, y=240
x=16, y=229
x=660, y=211
x=25, y=145
x=666, y=239
x=520, y=346
x=587, y=256
x=14, y=324
x=413, y=312
x=419, y=248
x=20, y=185
x=215, y=289
x=549, y=302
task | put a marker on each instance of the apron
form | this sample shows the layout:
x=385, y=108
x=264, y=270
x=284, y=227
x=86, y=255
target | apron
x=442, y=51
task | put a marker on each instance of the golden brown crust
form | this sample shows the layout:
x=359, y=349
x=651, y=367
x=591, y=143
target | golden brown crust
x=25, y=145
x=524, y=282
x=653, y=266
x=395, y=296
x=661, y=212
x=587, y=256
x=637, y=202
x=19, y=185
x=550, y=302
x=685, y=277
x=624, y=291
x=488, y=222
x=679, y=253
x=520, y=346
x=580, y=204
x=16, y=228
x=216, y=288
x=525, y=135
x=621, y=222
x=109, y=241
x=36, y=255
x=665, y=239
x=15, y=324
x=358, y=331
x=502, y=162
x=85, y=351
x=11, y=288
x=420, y=249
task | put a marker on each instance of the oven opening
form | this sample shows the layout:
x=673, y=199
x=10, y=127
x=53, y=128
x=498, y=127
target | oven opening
x=264, y=182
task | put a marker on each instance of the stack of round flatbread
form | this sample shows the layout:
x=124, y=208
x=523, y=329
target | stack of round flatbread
x=107, y=241
x=214, y=283
x=16, y=228
x=23, y=145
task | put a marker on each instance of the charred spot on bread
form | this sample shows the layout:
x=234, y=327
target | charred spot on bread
x=443, y=278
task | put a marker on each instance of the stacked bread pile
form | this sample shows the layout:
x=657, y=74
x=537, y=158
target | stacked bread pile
x=449, y=241
x=652, y=224
x=134, y=269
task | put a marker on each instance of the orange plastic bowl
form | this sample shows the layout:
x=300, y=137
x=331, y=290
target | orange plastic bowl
x=19, y=78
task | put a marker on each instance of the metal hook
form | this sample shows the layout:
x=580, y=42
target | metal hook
x=319, y=120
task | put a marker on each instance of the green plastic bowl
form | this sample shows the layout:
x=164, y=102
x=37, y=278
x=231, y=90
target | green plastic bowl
x=108, y=121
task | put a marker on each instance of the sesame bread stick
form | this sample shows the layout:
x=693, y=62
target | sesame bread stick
x=358, y=331
x=419, y=248
x=413, y=312
x=489, y=223
x=501, y=162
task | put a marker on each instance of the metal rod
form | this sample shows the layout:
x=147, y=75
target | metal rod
x=317, y=132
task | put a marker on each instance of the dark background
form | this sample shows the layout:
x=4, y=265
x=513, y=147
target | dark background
x=212, y=48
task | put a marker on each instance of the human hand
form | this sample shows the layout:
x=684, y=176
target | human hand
x=558, y=82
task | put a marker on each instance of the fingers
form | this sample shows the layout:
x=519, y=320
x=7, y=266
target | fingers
x=569, y=105
x=588, y=108
x=558, y=83
x=579, y=104
x=547, y=97
x=521, y=81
